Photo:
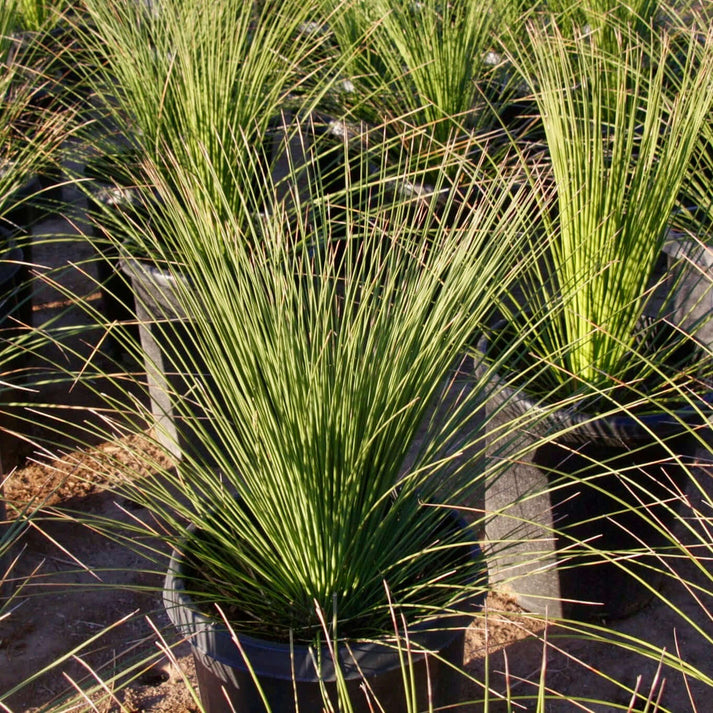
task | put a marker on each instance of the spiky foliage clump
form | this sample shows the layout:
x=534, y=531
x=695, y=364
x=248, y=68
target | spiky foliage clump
x=197, y=81
x=431, y=70
x=621, y=129
x=315, y=350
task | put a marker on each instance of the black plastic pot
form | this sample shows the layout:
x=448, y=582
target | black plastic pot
x=690, y=264
x=165, y=333
x=15, y=291
x=112, y=200
x=601, y=484
x=118, y=303
x=15, y=315
x=226, y=683
x=12, y=296
x=25, y=210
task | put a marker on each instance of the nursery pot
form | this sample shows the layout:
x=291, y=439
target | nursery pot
x=111, y=201
x=691, y=274
x=15, y=289
x=165, y=334
x=592, y=486
x=14, y=311
x=285, y=672
x=33, y=201
x=23, y=211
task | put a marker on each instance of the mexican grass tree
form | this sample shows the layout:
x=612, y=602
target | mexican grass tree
x=621, y=129
x=195, y=79
x=317, y=351
x=429, y=70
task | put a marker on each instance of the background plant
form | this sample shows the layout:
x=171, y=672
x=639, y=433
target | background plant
x=596, y=17
x=619, y=145
x=28, y=141
x=432, y=66
x=198, y=81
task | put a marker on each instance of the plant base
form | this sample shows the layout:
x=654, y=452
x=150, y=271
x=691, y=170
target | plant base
x=229, y=680
x=298, y=677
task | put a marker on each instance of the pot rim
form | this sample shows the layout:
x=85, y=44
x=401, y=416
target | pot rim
x=359, y=657
x=615, y=429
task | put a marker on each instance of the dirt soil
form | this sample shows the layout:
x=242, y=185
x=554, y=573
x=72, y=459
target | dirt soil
x=80, y=582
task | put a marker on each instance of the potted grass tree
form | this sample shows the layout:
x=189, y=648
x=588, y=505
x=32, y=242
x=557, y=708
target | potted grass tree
x=194, y=83
x=592, y=350
x=38, y=52
x=425, y=64
x=318, y=524
x=428, y=76
x=20, y=155
x=599, y=18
